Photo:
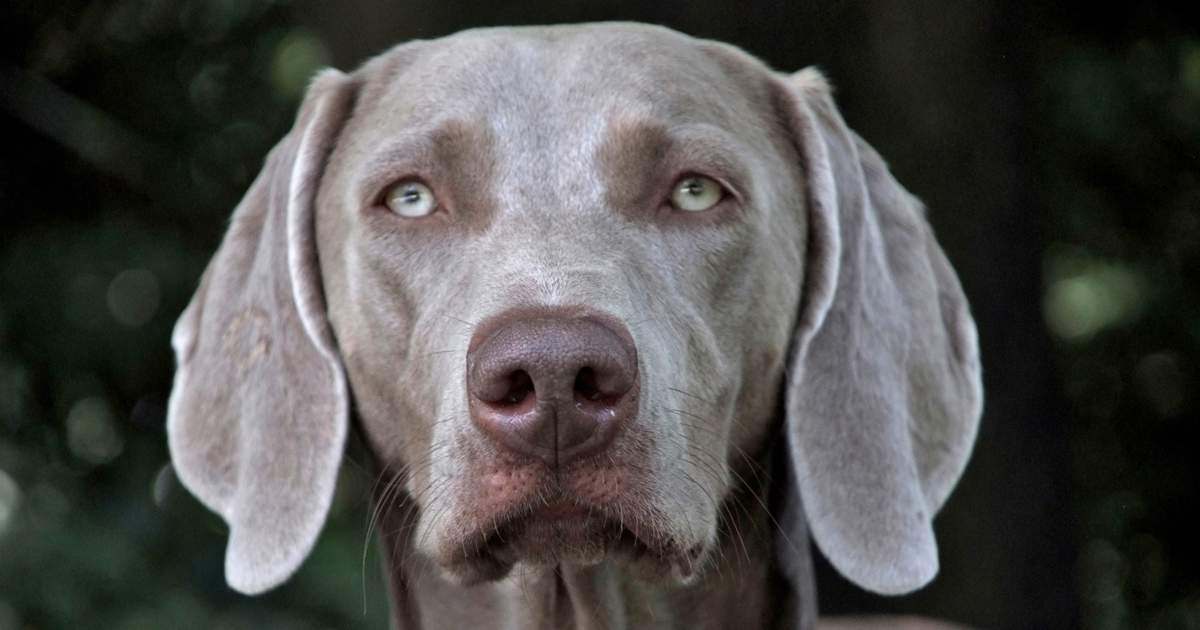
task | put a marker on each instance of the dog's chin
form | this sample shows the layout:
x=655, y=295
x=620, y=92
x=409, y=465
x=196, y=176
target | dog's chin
x=567, y=536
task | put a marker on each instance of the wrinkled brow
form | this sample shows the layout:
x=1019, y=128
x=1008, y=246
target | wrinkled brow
x=640, y=159
x=455, y=158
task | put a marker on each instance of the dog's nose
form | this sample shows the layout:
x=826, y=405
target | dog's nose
x=555, y=387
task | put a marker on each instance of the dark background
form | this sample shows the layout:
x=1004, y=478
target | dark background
x=1058, y=149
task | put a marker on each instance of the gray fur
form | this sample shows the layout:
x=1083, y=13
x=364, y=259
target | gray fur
x=552, y=148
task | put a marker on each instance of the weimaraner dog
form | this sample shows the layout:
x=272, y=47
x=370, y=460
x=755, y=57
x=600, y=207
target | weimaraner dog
x=622, y=316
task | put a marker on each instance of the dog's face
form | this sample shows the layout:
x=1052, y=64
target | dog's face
x=563, y=277
x=667, y=206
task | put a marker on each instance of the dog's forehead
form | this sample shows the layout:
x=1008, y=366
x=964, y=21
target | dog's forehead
x=562, y=77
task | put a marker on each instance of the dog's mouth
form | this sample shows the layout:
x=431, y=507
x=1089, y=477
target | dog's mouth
x=562, y=531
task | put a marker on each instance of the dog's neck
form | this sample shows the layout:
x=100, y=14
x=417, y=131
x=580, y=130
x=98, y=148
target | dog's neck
x=743, y=588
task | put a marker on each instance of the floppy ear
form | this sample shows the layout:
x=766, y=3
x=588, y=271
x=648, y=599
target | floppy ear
x=884, y=395
x=257, y=417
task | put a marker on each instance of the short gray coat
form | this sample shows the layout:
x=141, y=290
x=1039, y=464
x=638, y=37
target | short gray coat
x=809, y=317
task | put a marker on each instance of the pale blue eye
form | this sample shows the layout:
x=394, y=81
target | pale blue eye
x=696, y=193
x=410, y=199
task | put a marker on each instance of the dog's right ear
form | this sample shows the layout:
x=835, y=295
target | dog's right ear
x=257, y=418
x=884, y=395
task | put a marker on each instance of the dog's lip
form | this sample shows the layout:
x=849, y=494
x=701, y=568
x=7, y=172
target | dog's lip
x=561, y=511
x=488, y=552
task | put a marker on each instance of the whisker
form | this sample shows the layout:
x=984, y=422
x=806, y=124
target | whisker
x=461, y=321
x=691, y=395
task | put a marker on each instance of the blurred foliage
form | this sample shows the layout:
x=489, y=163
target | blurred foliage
x=133, y=127
x=160, y=114
x=1120, y=153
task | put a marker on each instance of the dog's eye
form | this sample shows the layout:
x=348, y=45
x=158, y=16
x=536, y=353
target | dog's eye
x=696, y=193
x=410, y=199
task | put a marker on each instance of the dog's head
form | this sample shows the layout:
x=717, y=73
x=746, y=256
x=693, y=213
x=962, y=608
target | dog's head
x=563, y=276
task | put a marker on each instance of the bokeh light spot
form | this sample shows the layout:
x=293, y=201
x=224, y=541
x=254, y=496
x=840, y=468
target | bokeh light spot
x=133, y=297
x=160, y=490
x=1103, y=574
x=92, y=433
x=1086, y=296
x=10, y=501
x=297, y=57
x=207, y=89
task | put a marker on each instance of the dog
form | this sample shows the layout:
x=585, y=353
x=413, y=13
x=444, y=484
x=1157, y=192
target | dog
x=624, y=317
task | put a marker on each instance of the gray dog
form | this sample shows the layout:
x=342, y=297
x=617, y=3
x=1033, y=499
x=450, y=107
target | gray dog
x=622, y=315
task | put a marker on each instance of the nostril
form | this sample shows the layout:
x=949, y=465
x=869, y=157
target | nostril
x=585, y=385
x=520, y=386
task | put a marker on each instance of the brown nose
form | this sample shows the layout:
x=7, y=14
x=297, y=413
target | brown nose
x=556, y=387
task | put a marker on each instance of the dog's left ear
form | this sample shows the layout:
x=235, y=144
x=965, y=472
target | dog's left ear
x=257, y=419
x=884, y=395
